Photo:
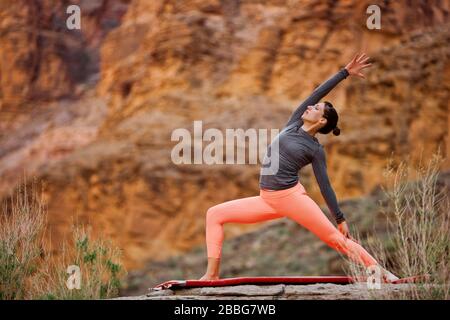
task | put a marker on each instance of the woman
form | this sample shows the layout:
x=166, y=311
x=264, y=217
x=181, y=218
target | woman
x=281, y=193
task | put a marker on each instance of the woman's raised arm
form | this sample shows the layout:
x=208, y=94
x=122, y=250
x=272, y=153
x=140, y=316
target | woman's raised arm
x=318, y=94
x=354, y=67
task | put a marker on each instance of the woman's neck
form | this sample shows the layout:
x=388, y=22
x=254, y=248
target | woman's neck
x=310, y=129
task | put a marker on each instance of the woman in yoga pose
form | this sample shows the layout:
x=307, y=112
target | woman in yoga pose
x=281, y=193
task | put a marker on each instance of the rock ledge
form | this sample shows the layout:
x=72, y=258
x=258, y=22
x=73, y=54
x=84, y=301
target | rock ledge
x=273, y=292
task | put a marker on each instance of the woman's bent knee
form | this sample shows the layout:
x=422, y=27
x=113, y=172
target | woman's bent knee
x=212, y=215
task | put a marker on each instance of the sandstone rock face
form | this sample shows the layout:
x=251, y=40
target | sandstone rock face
x=40, y=59
x=231, y=64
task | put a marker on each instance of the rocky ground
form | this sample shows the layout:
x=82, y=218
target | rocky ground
x=274, y=292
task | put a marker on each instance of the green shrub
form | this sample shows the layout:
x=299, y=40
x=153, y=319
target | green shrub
x=27, y=269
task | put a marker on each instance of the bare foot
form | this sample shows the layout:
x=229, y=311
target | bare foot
x=209, y=277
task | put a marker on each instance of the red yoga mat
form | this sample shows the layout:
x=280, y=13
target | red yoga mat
x=174, y=284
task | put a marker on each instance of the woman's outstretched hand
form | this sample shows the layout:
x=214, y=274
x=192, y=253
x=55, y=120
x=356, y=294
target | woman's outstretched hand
x=343, y=228
x=358, y=63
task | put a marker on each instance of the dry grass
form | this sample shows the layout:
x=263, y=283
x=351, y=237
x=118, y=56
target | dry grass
x=418, y=220
x=27, y=268
x=99, y=264
x=22, y=227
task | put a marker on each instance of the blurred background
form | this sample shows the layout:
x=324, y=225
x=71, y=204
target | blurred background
x=90, y=114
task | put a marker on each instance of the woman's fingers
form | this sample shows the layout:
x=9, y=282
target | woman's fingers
x=346, y=233
x=364, y=60
x=359, y=62
x=358, y=56
x=344, y=230
x=366, y=65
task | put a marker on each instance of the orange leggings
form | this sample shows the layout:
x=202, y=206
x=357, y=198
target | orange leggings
x=293, y=203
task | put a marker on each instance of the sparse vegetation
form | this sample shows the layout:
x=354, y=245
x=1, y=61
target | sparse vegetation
x=418, y=224
x=22, y=227
x=29, y=271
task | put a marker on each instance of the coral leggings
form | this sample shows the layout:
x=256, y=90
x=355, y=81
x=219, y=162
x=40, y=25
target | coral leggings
x=293, y=203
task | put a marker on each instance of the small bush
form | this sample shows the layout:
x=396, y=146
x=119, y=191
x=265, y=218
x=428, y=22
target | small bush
x=22, y=227
x=27, y=269
x=99, y=265
x=418, y=238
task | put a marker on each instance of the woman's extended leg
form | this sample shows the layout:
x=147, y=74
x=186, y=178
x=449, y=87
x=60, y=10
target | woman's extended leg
x=302, y=209
x=245, y=210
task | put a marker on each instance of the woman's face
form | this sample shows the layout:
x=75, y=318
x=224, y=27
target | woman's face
x=314, y=113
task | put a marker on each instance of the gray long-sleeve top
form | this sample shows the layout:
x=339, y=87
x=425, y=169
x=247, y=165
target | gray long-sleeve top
x=297, y=148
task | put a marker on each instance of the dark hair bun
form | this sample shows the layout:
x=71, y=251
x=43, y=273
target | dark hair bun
x=336, y=131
